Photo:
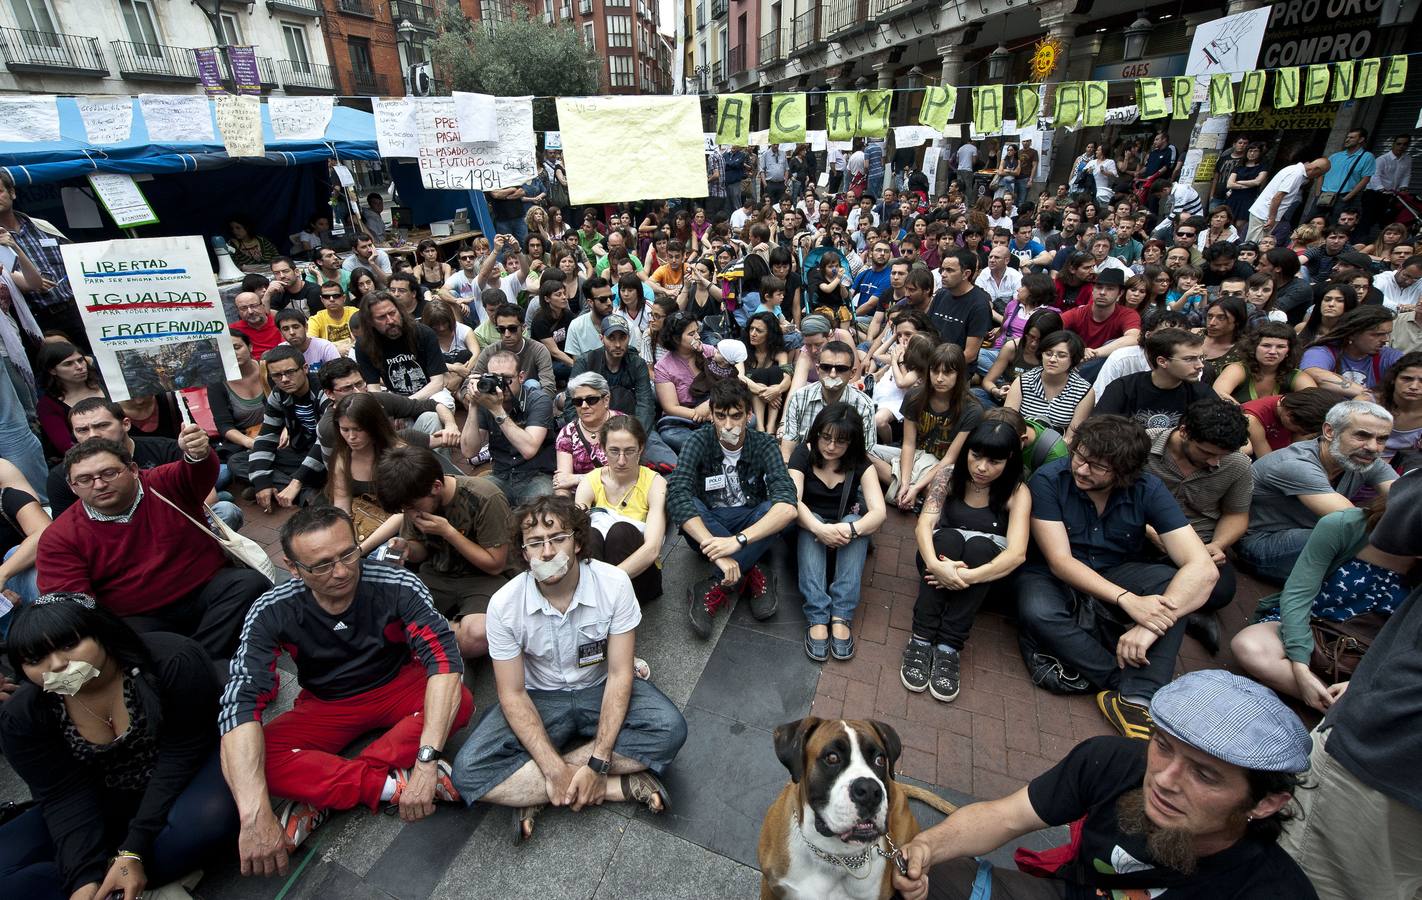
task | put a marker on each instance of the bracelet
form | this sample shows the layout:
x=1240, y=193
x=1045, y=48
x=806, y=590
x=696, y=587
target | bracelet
x=1120, y=595
x=126, y=854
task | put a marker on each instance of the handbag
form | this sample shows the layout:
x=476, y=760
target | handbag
x=367, y=515
x=1326, y=199
x=1338, y=647
x=239, y=548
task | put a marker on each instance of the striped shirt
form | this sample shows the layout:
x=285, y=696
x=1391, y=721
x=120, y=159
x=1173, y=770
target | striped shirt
x=1058, y=411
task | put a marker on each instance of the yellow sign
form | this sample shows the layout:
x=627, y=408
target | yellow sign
x=1368, y=71
x=841, y=115
x=1067, y=111
x=1150, y=98
x=1396, y=78
x=787, y=118
x=1342, y=81
x=939, y=104
x=987, y=108
x=733, y=119
x=1205, y=171
x=1093, y=95
x=1182, y=95
x=1044, y=58
x=874, y=113
x=1221, y=97
x=604, y=134
x=1300, y=118
x=1315, y=85
x=1029, y=103
x=1251, y=91
x=1286, y=87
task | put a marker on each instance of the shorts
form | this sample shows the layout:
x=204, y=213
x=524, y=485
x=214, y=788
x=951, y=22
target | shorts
x=457, y=596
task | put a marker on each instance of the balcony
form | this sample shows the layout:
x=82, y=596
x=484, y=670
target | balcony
x=565, y=12
x=154, y=62
x=719, y=8
x=718, y=72
x=369, y=84
x=48, y=51
x=805, y=32
x=882, y=11
x=357, y=7
x=846, y=17
x=737, y=60
x=585, y=7
x=418, y=13
x=295, y=7
x=307, y=77
x=644, y=11
x=770, y=48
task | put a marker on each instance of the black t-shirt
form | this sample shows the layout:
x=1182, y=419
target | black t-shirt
x=1135, y=396
x=12, y=500
x=148, y=453
x=505, y=210
x=1089, y=781
x=960, y=318
x=405, y=372
x=1215, y=279
x=824, y=501
x=309, y=296
x=548, y=324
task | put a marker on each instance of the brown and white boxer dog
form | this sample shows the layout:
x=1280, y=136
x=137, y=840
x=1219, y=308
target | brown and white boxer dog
x=829, y=833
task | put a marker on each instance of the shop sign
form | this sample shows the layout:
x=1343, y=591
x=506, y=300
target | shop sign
x=1299, y=118
x=1303, y=32
x=1149, y=67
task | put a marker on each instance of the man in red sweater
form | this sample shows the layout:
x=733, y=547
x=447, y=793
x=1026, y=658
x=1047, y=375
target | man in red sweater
x=256, y=322
x=126, y=544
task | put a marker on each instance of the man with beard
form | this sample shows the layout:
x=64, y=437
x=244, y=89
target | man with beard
x=1195, y=813
x=396, y=351
x=1300, y=484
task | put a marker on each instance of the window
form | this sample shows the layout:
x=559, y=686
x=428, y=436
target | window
x=619, y=31
x=589, y=36
x=621, y=69
x=296, y=50
x=34, y=15
x=723, y=44
x=700, y=14
x=142, y=26
x=232, y=30
x=626, y=3
x=359, y=49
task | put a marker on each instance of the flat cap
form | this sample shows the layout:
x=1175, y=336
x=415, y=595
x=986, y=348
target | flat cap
x=1234, y=719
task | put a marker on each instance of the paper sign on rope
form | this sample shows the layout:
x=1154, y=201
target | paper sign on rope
x=29, y=119
x=107, y=120
x=874, y=113
x=1029, y=102
x=299, y=118
x=733, y=120
x=1150, y=97
x=939, y=104
x=1396, y=79
x=841, y=115
x=1251, y=92
x=448, y=162
x=1315, y=85
x=153, y=314
x=600, y=136
x=395, y=127
x=787, y=118
x=239, y=118
x=1368, y=72
x=987, y=108
x=478, y=120
x=177, y=118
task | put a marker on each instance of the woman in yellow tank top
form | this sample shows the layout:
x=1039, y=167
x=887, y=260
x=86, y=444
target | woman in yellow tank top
x=629, y=507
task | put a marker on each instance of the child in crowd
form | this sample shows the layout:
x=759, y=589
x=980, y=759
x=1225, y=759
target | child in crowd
x=938, y=414
x=1187, y=294
x=772, y=298
x=907, y=367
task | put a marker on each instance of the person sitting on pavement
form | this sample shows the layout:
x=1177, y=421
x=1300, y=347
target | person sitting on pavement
x=571, y=712
x=1196, y=812
x=371, y=654
x=836, y=367
x=22, y=520
x=1354, y=356
x=577, y=445
x=419, y=422
x=292, y=323
x=531, y=356
x=830, y=469
x=1159, y=398
x=256, y=322
x=456, y=529
x=514, y=421
x=134, y=542
x=396, y=351
x=112, y=734
x=731, y=496
x=629, y=382
x=627, y=504
x=289, y=288
x=362, y=435
x=1211, y=480
x=370, y=258
x=1138, y=606
x=1296, y=486
x=1278, y=421
x=291, y=473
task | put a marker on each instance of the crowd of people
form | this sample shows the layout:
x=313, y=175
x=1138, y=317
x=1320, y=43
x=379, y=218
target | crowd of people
x=1100, y=404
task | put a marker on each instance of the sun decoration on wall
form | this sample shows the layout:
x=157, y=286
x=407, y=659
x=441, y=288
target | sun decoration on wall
x=1045, y=56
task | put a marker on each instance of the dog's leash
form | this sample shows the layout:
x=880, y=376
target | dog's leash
x=853, y=863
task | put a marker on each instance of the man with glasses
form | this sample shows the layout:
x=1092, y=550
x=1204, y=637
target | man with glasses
x=333, y=322
x=1085, y=599
x=836, y=368
x=289, y=287
x=131, y=543
x=1158, y=398
x=371, y=654
x=1187, y=237
x=255, y=320
x=574, y=726
x=532, y=356
x=462, y=288
x=585, y=332
x=515, y=421
x=428, y=422
x=284, y=474
x=456, y=532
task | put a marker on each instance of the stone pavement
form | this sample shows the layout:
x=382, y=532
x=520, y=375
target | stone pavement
x=734, y=689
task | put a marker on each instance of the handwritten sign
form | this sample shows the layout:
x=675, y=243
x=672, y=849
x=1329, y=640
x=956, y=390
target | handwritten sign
x=299, y=118
x=153, y=314
x=177, y=118
x=29, y=119
x=478, y=117
x=448, y=162
x=395, y=126
x=107, y=120
x=239, y=118
x=123, y=198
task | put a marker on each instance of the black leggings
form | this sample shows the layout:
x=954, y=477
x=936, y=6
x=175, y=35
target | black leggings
x=942, y=616
x=623, y=539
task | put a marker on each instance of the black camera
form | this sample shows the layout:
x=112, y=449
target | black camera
x=490, y=383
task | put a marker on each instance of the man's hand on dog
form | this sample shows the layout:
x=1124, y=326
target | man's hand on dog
x=914, y=886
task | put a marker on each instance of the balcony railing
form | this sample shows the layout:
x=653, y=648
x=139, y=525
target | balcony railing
x=418, y=13
x=718, y=72
x=357, y=7
x=308, y=77
x=49, y=51
x=738, y=60
x=885, y=8
x=154, y=62
x=805, y=30
x=719, y=8
x=585, y=7
x=846, y=16
x=297, y=7
x=769, y=47
x=369, y=84
x=565, y=12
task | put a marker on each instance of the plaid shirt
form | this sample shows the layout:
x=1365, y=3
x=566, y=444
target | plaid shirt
x=41, y=242
x=716, y=165
x=761, y=471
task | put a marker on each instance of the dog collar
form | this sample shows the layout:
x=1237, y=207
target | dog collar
x=851, y=861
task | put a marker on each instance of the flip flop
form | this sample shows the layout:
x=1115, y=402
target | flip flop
x=644, y=787
x=523, y=815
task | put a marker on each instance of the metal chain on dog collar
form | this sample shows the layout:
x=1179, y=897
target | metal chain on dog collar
x=854, y=862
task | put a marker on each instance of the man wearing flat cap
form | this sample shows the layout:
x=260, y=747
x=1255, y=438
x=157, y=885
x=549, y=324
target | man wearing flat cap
x=1195, y=813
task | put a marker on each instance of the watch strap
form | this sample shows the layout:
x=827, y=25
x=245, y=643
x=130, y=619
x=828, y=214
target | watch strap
x=600, y=766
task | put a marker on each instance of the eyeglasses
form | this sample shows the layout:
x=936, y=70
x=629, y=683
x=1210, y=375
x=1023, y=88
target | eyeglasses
x=508, y=329
x=830, y=369
x=555, y=541
x=1058, y=355
x=834, y=440
x=284, y=375
x=346, y=559
x=106, y=477
x=585, y=401
x=1095, y=467
x=620, y=453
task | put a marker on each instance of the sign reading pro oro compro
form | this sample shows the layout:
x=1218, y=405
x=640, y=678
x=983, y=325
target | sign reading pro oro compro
x=153, y=314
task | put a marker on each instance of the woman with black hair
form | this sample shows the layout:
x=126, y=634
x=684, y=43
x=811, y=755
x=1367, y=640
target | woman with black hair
x=114, y=734
x=681, y=380
x=973, y=531
x=1337, y=299
x=65, y=377
x=1225, y=322
x=1268, y=364
x=766, y=370
x=831, y=471
x=1354, y=356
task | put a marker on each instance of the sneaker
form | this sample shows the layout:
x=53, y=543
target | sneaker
x=445, y=792
x=705, y=604
x=1130, y=719
x=1048, y=673
x=299, y=820
x=481, y=457
x=943, y=677
x=757, y=587
x=917, y=662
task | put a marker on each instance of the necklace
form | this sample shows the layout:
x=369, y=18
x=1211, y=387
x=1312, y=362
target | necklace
x=107, y=720
x=626, y=494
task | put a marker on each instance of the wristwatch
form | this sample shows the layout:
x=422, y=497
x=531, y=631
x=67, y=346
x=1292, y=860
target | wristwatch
x=428, y=754
x=499, y=420
x=853, y=532
x=742, y=539
x=600, y=766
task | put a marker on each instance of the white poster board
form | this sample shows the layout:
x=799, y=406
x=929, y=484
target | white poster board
x=395, y=127
x=299, y=118
x=107, y=120
x=478, y=117
x=1230, y=44
x=29, y=119
x=123, y=199
x=239, y=119
x=153, y=314
x=177, y=118
x=448, y=162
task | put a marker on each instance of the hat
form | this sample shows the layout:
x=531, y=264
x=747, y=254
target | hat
x=1234, y=719
x=1355, y=259
x=732, y=351
x=814, y=324
x=615, y=323
x=1112, y=275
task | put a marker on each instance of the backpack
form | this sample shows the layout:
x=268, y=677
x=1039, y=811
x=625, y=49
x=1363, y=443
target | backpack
x=1047, y=440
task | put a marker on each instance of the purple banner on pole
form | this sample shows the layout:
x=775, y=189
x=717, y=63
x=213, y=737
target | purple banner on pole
x=245, y=77
x=209, y=71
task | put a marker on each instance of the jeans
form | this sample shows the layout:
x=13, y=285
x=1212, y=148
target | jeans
x=842, y=596
x=730, y=520
x=1082, y=632
x=24, y=585
x=675, y=431
x=1271, y=555
x=1020, y=188
x=733, y=195
x=229, y=513
x=18, y=443
x=519, y=488
x=986, y=357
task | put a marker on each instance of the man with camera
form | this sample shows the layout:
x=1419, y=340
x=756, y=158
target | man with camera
x=532, y=357
x=515, y=421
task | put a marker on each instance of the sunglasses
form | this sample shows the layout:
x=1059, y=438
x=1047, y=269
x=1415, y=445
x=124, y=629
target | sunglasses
x=508, y=329
x=585, y=401
x=332, y=296
x=829, y=369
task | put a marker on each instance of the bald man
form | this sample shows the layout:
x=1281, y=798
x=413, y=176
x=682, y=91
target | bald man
x=1280, y=196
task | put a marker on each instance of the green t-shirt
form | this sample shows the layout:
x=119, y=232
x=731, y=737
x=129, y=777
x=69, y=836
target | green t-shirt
x=1029, y=453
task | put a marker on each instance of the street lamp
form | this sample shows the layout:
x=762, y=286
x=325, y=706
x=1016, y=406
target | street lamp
x=406, y=31
x=1137, y=33
x=997, y=63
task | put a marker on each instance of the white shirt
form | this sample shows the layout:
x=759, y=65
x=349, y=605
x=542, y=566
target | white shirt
x=739, y=219
x=1287, y=182
x=382, y=259
x=1231, y=234
x=852, y=222
x=856, y=163
x=1122, y=362
x=1185, y=199
x=1003, y=290
x=521, y=622
x=966, y=155
x=1392, y=173
x=1394, y=296
x=1103, y=170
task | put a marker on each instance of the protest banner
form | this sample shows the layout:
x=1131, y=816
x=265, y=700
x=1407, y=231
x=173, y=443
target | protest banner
x=448, y=162
x=107, y=120
x=29, y=119
x=153, y=314
x=299, y=118
x=606, y=161
x=239, y=119
x=177, y=118
x=123, y=199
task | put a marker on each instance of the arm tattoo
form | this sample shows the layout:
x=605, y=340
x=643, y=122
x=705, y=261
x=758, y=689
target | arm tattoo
x=937, y=492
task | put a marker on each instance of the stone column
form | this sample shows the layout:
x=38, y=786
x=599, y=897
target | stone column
x=951, y=48
x=1060, y=20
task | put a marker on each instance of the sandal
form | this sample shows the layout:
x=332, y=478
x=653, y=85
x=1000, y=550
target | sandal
x=523, y=815
x=641, y=669
x=644, y=788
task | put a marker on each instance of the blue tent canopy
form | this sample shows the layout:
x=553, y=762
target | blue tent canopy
x=350, y=134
